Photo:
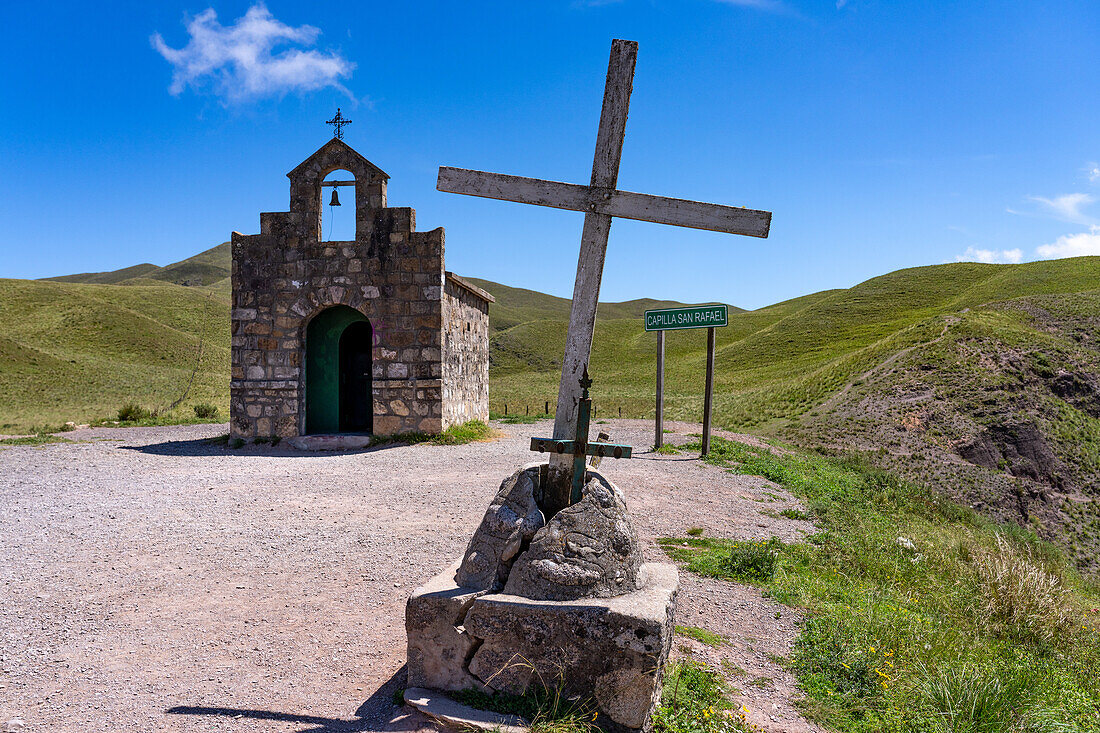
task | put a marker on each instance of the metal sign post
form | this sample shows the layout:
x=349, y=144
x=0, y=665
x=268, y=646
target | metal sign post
x=674, y=319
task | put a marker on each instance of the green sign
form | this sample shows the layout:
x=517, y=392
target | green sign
x=696, y=316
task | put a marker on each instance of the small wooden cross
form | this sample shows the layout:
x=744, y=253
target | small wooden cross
x=579, y=448
x=600, y=200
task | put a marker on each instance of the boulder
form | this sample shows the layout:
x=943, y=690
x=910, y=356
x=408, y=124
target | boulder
x=508, y=524
x=587, y=550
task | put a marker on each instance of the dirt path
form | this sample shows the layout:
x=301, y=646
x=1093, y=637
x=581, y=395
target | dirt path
x=152, y=581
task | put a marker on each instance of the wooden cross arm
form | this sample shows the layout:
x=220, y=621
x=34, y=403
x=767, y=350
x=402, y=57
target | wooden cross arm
x=629, y=205
x=604, y=450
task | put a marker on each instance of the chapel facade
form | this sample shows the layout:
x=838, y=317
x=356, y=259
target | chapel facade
x=370, y=336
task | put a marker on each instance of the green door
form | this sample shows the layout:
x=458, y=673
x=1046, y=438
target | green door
x=325, y=371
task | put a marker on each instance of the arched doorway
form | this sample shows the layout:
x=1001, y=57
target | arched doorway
x=339, y=395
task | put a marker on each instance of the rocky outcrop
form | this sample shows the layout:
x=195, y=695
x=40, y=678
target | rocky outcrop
x=1021, y=449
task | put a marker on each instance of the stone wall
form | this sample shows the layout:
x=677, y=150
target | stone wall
x=465, y=352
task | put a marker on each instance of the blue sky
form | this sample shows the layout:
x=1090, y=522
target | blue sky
x=881, y=134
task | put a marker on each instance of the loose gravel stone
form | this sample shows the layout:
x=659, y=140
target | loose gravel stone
x=152, y=580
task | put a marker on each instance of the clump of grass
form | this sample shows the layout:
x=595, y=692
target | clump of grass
x=133, y=412
x=693, y=700
x=701, y=635
x=206, y=411
x=1019, y=598
x=467, y=432
x=695, y=532
x=966, y=697
x=796, y=514
x=545, y=705
x=668, y=450
x=754, y=560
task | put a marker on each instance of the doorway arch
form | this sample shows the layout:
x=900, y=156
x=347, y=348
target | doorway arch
x=339, y=381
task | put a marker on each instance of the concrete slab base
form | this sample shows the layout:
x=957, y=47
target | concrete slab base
x=611, y=651
x=329, y=442
x=436, y=705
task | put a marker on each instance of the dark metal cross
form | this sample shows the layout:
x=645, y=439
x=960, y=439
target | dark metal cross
x=579, y=446
x=338, y=123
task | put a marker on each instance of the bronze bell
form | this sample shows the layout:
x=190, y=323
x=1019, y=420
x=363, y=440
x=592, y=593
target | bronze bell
x=335, y=199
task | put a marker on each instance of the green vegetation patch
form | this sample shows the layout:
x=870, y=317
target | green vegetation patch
x=701, y=635
x=39, y=439
x=919, y=614
x=548, y=710
x=468, y=432
x=694, y=700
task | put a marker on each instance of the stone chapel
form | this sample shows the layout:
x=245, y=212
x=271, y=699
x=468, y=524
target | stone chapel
x=371, y=336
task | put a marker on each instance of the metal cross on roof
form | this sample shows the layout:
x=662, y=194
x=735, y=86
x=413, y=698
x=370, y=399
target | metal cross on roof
x=338, y=123
x=579, y=447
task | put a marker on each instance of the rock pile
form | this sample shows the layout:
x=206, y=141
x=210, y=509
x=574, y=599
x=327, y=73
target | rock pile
x=561, y=603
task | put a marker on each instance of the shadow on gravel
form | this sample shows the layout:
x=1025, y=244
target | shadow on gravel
x=204, y=447
x=375, y=714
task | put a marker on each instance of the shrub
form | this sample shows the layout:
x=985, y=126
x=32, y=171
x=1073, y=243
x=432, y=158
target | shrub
x=206, y=411
x=754, y=560
x=969, y=698
x=1018, y=597
x=133, y=412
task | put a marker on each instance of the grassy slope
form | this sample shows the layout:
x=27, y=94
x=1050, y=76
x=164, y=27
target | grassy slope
x=72, y=351
x=775, y=363
x=965, y=625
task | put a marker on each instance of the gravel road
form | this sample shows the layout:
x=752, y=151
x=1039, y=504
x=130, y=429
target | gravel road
x=151, y=580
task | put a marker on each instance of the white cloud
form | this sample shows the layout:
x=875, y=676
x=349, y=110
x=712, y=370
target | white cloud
x=972, y=254
x=1093, y=170
x=841, y=3
x=1067, y=207
x=1072, y=245
x=238, y=60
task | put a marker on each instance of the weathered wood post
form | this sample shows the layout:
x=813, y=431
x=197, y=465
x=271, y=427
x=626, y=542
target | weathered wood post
x=658, y=438
x=600, y=200
x=708, y=393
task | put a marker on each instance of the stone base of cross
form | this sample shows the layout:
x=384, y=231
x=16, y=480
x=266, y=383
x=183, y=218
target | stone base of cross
x=579, y=447
x=600, y=201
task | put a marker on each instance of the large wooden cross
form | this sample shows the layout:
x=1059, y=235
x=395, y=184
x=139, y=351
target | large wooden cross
x=600, y=200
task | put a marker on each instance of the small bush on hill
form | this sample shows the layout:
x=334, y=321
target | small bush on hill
x=206, y=411
x=133, y=412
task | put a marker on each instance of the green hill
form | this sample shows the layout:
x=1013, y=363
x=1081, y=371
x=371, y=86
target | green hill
x=74, y=351
x=983, y=378
x=205, y=268
x=107, y=278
